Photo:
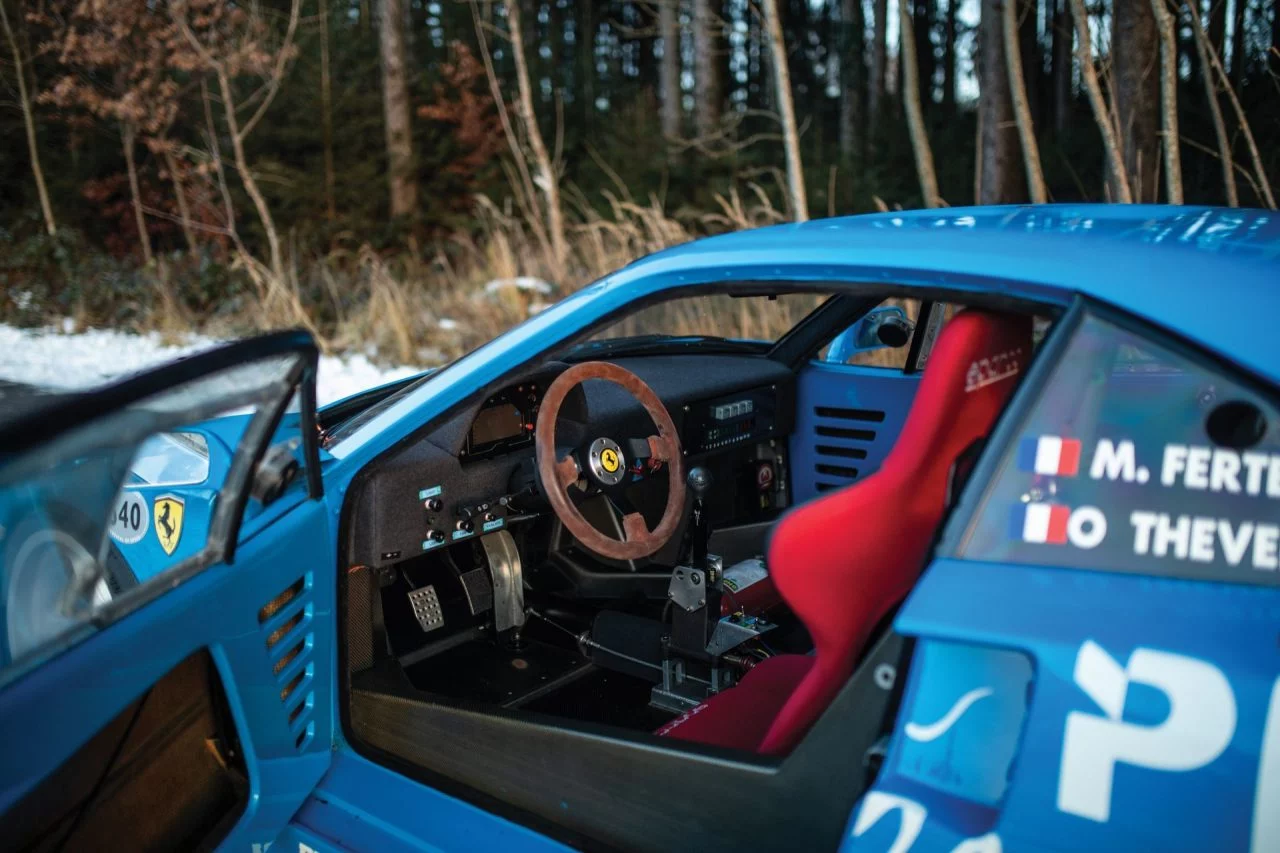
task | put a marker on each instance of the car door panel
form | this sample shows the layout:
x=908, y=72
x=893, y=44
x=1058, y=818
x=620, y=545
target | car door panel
x=47, y=715
x=262, y=623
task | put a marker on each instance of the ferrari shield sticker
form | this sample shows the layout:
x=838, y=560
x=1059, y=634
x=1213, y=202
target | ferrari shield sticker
x=129, y=518
x=609, y=460
x=168, y=511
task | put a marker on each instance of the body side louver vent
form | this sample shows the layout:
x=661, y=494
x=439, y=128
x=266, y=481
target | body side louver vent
x=286, y=624
x=843, y=437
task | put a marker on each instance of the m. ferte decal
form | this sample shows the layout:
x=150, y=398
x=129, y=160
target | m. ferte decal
x=1199, y=537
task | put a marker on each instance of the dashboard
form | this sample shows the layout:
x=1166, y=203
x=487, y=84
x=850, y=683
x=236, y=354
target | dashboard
x=474, y=472
x=505, y=422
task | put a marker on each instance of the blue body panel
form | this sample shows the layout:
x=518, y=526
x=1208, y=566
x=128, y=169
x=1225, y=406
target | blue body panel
x=404, y=816
x=1046, y=615
x=877, y=400
x=79, y=691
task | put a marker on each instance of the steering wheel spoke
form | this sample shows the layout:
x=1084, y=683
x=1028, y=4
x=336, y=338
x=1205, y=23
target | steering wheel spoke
x=634, y=527
x=661, y=448
x=568, y=471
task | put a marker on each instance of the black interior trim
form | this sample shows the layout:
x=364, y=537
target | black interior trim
x=604, y=789
x=918, y=336
x=813, y=332
x=166, y=773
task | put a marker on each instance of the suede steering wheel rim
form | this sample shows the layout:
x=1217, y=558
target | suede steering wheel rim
x=603, y=464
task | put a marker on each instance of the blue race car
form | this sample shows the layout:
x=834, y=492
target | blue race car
x=932, y=531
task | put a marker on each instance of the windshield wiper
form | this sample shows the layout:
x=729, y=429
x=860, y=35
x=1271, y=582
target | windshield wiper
x=647, y=344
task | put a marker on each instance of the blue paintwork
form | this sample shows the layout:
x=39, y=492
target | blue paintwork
x=853, y=387
x=79, y=691
x=404, y=816
x=1047, y=614
x=1152, y=262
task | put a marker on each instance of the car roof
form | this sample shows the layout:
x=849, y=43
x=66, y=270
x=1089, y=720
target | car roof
x=1211, y=275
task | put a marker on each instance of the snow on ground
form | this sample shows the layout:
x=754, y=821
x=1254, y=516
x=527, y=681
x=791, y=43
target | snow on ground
x=52, y=359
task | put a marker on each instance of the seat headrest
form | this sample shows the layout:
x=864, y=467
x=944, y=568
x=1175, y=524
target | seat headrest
x=973, y=368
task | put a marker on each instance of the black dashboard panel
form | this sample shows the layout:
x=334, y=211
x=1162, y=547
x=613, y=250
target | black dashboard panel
x=451, y=485
x=733, y=419
x=505, y=421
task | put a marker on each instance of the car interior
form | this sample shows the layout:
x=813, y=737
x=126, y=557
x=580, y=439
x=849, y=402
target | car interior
x=655, y=533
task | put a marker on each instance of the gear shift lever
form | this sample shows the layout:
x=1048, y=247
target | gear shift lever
x=695, y=583
x=699, y=482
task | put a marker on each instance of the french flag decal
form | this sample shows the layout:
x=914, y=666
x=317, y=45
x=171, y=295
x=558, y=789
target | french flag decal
x=1040, y=523
x=1050, y=454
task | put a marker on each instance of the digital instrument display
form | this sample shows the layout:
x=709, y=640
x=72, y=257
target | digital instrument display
x=497, y=423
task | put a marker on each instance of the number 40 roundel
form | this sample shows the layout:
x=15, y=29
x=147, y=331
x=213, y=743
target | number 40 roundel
x=130, y=518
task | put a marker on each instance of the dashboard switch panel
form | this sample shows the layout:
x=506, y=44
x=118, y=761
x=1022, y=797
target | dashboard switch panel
x=737, y=419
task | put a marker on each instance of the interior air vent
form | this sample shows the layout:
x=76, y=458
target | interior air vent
x=840, y=445
x=285, y=622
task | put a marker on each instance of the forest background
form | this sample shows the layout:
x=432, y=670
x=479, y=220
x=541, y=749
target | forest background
x=408, y=178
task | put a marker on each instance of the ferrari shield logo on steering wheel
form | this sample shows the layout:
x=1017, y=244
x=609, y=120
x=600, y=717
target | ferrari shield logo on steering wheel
x=609, y=460
x=168, y=512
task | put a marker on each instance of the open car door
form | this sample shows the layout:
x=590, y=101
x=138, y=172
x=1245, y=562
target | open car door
x=163, y=684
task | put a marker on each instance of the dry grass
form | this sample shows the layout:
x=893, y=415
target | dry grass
x=425, y=307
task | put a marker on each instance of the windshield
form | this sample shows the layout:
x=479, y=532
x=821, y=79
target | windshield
x=748, y=318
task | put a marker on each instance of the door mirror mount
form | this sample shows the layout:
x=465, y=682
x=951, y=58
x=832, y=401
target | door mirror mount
x=886, y=326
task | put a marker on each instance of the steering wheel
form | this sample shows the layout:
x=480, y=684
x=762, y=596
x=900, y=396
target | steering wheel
x=602, y=464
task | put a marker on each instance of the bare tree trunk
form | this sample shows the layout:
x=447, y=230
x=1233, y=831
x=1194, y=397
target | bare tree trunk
x=1263, y=185
x=977, y=159
x=1237, y=42
x=1215, y=109
x=852, y=66
x=28, y=121
x=586, y=60
x=1217, y=21
x=1003, y=179
x=1061, y=73
x=215, y=152
x=669, y=70
x=1021, y=111
x=179, y=194
x=1119, y=178
x=1169, y=102
x=326, y=108
x=395, y=105
x=708, y=94
x=247, y=178
x=128, y=135
x=879, y=57
x=548, y=180
x=924, y=13
x=915, y=116
x=238, y=134
x=1135, y=51
x=787, y=112
x=1273, y=55
x=949, y=58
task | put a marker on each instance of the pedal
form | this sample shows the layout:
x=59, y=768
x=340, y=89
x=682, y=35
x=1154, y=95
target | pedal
x=426, y=608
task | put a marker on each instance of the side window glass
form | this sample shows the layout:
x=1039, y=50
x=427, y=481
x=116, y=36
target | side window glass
x=105, y=516
x=1138, y=459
